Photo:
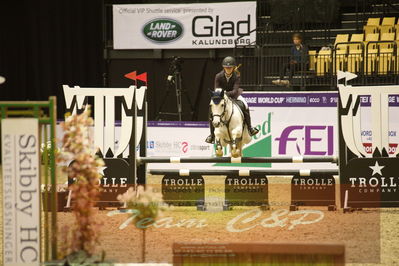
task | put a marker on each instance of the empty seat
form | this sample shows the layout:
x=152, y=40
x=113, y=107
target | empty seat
x=312, y=59
x=387, y=25
x=372, y=37
x=371, y=52
x=397, y=28
x=341, y=38
x=372, y=26
x=356, y=39
x=324, y=60
x=355, y=53
x=341, y=51
x=389, y=39
x=385, y=58
x=397, y=42
x=397, y=50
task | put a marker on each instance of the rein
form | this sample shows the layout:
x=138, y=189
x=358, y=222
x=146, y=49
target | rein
x=226, y=122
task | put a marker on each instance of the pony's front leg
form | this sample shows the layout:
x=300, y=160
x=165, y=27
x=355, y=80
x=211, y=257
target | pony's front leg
x=234, y=146
x=239, y=148
x=218, y=148
x=218, y=145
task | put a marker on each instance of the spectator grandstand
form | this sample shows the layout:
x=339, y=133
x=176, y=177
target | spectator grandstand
x=361, y=37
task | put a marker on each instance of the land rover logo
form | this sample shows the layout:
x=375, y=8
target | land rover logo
x=163, y=30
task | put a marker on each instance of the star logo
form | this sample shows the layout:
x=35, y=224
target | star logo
x=101, y=170
x=376, y=169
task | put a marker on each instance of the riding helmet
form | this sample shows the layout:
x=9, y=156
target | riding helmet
x=229, y=61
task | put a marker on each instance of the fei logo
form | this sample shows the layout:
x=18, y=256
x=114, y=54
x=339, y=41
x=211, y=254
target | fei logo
x=308, y=140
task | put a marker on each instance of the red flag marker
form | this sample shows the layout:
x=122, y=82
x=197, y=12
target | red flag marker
x=142, y=77
x=131, y=75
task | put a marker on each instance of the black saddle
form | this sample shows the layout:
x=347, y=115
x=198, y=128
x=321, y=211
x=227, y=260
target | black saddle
x=240, y=104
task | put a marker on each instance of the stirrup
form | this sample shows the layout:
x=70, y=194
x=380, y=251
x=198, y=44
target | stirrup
x=210, y=139
x=253, y=131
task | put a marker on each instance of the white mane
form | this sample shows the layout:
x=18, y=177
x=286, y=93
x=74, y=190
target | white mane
x=218, y=90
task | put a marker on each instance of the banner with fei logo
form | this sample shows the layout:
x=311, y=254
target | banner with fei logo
x=187, y=26
x=290, y=123
x=306, y=123
x=21, y=180
x=301, y=124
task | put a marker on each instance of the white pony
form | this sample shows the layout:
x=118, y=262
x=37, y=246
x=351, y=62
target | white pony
x=228, y=120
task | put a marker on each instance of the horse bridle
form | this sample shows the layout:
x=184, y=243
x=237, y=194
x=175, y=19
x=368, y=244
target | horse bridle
x=223, y=114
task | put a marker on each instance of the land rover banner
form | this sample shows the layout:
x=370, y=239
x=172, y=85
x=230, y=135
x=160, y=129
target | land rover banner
x=176, y=26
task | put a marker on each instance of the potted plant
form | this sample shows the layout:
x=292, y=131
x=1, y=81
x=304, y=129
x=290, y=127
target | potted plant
x=146, y=206
x=79, y=242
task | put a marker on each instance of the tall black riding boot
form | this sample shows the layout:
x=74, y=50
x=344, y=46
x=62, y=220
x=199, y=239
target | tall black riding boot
x=252, y=130
x=211, y=138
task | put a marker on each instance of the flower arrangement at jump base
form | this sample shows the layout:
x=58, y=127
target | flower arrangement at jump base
x=79, y=242
x=145, y=205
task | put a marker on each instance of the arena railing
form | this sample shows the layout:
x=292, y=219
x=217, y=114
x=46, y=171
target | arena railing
x=260, y=65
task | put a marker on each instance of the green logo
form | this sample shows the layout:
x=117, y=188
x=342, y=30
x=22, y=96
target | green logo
x=261, y=146
x=163, y=30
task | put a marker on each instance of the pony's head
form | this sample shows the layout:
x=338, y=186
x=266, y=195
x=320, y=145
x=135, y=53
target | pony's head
x=217, y=106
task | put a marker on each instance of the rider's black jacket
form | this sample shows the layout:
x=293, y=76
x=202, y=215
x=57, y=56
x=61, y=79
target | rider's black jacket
x=232, y=87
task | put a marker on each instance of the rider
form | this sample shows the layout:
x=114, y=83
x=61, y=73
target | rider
x=229, y=80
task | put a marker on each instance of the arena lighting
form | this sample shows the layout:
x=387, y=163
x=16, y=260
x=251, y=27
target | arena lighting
x=2, y=79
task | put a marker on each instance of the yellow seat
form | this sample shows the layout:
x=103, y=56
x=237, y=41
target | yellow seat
x=341, y=52
x=371, y=52
x=372, y=26
x=324, y=60
x=312, y=59
x=397, y=28
x=387, y=25
x=397, y=51
x=355, y=54
x=385, y=58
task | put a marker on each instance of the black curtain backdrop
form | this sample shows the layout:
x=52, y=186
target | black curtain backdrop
x=197, y=75
x=47, y=43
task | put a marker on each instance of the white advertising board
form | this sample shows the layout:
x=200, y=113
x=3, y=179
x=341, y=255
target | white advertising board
x=21, y=188
x=184, y=26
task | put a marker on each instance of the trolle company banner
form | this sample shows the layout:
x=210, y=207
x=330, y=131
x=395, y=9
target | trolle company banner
x=190, y=26
x=21, y=209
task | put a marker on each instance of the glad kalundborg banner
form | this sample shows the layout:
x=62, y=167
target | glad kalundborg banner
x=190, y=26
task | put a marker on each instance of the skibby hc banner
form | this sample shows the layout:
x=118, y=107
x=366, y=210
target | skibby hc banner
x=190, y=26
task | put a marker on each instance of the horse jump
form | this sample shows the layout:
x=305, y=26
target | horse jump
x=295, y=159
x=140, y=160
x=271, y=172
